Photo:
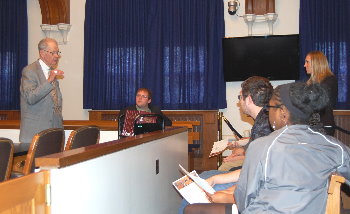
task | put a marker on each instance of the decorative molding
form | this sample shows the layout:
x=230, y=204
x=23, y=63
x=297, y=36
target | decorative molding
x=58, y=32
x=260, y=11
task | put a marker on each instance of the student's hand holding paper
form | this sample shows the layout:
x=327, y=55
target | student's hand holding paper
x=211, y=181
x=223, y=196
x=199, y=181
x=218, y=147
x=237, y=154
x=241, y=142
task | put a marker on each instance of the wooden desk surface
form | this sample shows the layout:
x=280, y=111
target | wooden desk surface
x=68, y=124
x=105, y=125
x=66, y=158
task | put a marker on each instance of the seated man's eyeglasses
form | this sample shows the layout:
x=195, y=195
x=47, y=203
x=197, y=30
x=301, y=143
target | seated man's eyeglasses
x=140, y=95
x=58, y=53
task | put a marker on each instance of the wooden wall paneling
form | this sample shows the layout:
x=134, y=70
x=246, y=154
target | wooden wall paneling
x=259, y=7
x=342, y=119
x=10, y=115
x=270, y=6
x=55, y=11
x=249, y=7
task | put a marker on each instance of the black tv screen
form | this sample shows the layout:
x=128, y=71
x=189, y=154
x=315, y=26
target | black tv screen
x=273, y=57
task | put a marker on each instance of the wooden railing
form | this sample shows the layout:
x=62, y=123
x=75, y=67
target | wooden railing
x=207, y=131
x=105, y=125
x=342, y=119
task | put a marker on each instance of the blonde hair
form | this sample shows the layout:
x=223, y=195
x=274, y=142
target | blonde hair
x=319, y=67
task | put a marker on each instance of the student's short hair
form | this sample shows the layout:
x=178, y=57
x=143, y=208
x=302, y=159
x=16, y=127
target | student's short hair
x=259, y=89
x=146, y=90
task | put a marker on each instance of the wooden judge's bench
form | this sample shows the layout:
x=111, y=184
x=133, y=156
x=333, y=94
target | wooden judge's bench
x=202, y=127
x=203, y=131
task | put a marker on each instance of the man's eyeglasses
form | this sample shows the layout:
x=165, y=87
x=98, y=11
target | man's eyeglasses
x=143, y=96
x=275, y=106
x=240, y=97
x=58, y=53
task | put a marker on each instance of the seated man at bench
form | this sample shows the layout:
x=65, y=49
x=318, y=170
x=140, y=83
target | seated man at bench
x=143, y=104
x=254, y=96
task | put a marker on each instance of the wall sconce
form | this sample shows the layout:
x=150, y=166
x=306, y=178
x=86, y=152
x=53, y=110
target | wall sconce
x=233, y=7
x=52, y=30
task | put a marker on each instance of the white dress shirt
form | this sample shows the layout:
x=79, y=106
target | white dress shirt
x=45, y=68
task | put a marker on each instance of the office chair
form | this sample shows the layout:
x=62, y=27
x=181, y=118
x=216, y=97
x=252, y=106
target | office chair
x=6, y=158
x=46, y=142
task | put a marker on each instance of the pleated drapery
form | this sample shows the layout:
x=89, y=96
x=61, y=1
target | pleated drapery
x=171, y=47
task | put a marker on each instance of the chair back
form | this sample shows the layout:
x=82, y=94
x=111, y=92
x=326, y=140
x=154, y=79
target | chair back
x=6, y=157
x=46, y=142
x=333, y=200
x=121, y=119
x=83, y=136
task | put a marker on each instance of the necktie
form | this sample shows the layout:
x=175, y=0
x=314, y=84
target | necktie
x=57, y=107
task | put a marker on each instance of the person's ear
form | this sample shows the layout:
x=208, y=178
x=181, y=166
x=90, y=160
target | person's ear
x=284, y=115
x=149, y=100
x=249, y=100
x=41, y=53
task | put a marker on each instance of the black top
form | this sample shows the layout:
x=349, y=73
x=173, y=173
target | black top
x=260, y=128
x=330, y=83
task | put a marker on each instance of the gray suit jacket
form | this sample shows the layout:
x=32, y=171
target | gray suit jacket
x=37, y=107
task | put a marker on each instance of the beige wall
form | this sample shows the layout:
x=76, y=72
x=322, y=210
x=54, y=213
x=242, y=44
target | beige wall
x=72, y=59
x=286, y=23
x=72, y=56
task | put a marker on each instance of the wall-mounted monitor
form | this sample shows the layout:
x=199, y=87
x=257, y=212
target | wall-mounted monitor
x=274, y=57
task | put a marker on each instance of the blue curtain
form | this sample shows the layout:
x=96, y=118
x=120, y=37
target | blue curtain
x=172, y=47
x=13, y=50
x=324, y=26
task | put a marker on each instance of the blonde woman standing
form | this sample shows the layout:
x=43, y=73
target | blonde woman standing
x=316, y=65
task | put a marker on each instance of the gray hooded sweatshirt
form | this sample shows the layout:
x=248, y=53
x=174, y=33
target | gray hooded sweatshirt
x=288, y=171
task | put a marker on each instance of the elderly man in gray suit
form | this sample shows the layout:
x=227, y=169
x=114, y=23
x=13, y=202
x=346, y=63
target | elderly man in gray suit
x=41, y=98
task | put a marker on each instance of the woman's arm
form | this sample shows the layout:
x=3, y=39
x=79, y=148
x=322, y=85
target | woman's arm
x=224, y=178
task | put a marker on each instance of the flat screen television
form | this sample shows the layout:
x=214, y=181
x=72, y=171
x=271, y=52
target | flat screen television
x=273, y=57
